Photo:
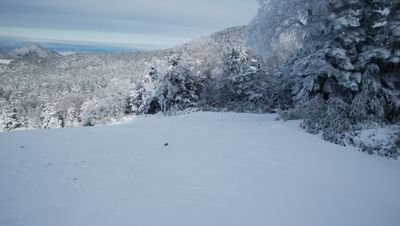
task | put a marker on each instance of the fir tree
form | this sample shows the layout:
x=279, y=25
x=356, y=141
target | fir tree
x=143, y=99
x=244, y=84
x=179, y=89
x=348, y=63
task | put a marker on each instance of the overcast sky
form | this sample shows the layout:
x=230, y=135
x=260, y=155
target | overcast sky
x=131, y=22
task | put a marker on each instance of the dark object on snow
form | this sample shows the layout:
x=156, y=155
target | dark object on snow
x=166, y=144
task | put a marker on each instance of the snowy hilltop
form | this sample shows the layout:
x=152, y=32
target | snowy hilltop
x=32, y=51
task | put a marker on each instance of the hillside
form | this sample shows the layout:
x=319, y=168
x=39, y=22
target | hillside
x=199, y=169
x=231, y=38
x=32, y=51
x=41, y=79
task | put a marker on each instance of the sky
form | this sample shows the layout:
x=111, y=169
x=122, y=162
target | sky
x=161, y=23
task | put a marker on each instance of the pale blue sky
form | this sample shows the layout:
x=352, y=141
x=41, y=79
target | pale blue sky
x=129, y=22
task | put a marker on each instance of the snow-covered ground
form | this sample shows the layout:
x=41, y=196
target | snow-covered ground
x=66, y=53
x=217, y=169
x=5, y=61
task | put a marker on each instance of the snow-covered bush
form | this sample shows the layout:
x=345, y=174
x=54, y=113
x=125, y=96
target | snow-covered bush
x=102, y=108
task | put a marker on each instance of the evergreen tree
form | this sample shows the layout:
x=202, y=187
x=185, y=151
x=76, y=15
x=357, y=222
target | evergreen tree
x=348, y=63
x=13, y=118
x=244, y=84
x=72, y=116
x=143, y=99
x=179, y=89
x=50, y=118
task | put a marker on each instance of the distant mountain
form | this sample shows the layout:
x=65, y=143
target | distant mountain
x=32, y=51
x=3, y=54
x=64, y=47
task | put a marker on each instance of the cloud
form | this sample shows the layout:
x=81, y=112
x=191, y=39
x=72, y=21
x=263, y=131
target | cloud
x=178, y=19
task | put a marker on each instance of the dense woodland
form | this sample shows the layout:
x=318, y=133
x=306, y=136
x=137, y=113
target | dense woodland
x=334, y=64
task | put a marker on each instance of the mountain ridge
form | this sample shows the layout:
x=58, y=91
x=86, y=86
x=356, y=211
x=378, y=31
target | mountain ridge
x=32, y=51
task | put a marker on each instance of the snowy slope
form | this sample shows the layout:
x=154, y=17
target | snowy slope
x=32, y=51
x=218, y=169
x=231, y=38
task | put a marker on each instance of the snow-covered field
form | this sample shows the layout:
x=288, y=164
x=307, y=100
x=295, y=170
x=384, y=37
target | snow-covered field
x=217, y=169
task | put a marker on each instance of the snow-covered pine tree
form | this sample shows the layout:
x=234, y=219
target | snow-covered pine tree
x=179, y=89
x=135, y=100
x=49, y=117
x=349, y=60
x=143, y=99
x=72, y=116
x=348, y=56
x=243, y=86
x=13, y=118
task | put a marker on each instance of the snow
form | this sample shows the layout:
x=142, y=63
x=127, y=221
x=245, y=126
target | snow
x=67, y=53
x=346, y=21
x=5, y=61
x=384, y=12
x=218, y=169
x=379, y=24
x=378, y=137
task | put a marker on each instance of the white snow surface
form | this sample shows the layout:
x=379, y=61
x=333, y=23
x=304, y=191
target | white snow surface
x=218, y=169
x=2, y=61
x=379, y=24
